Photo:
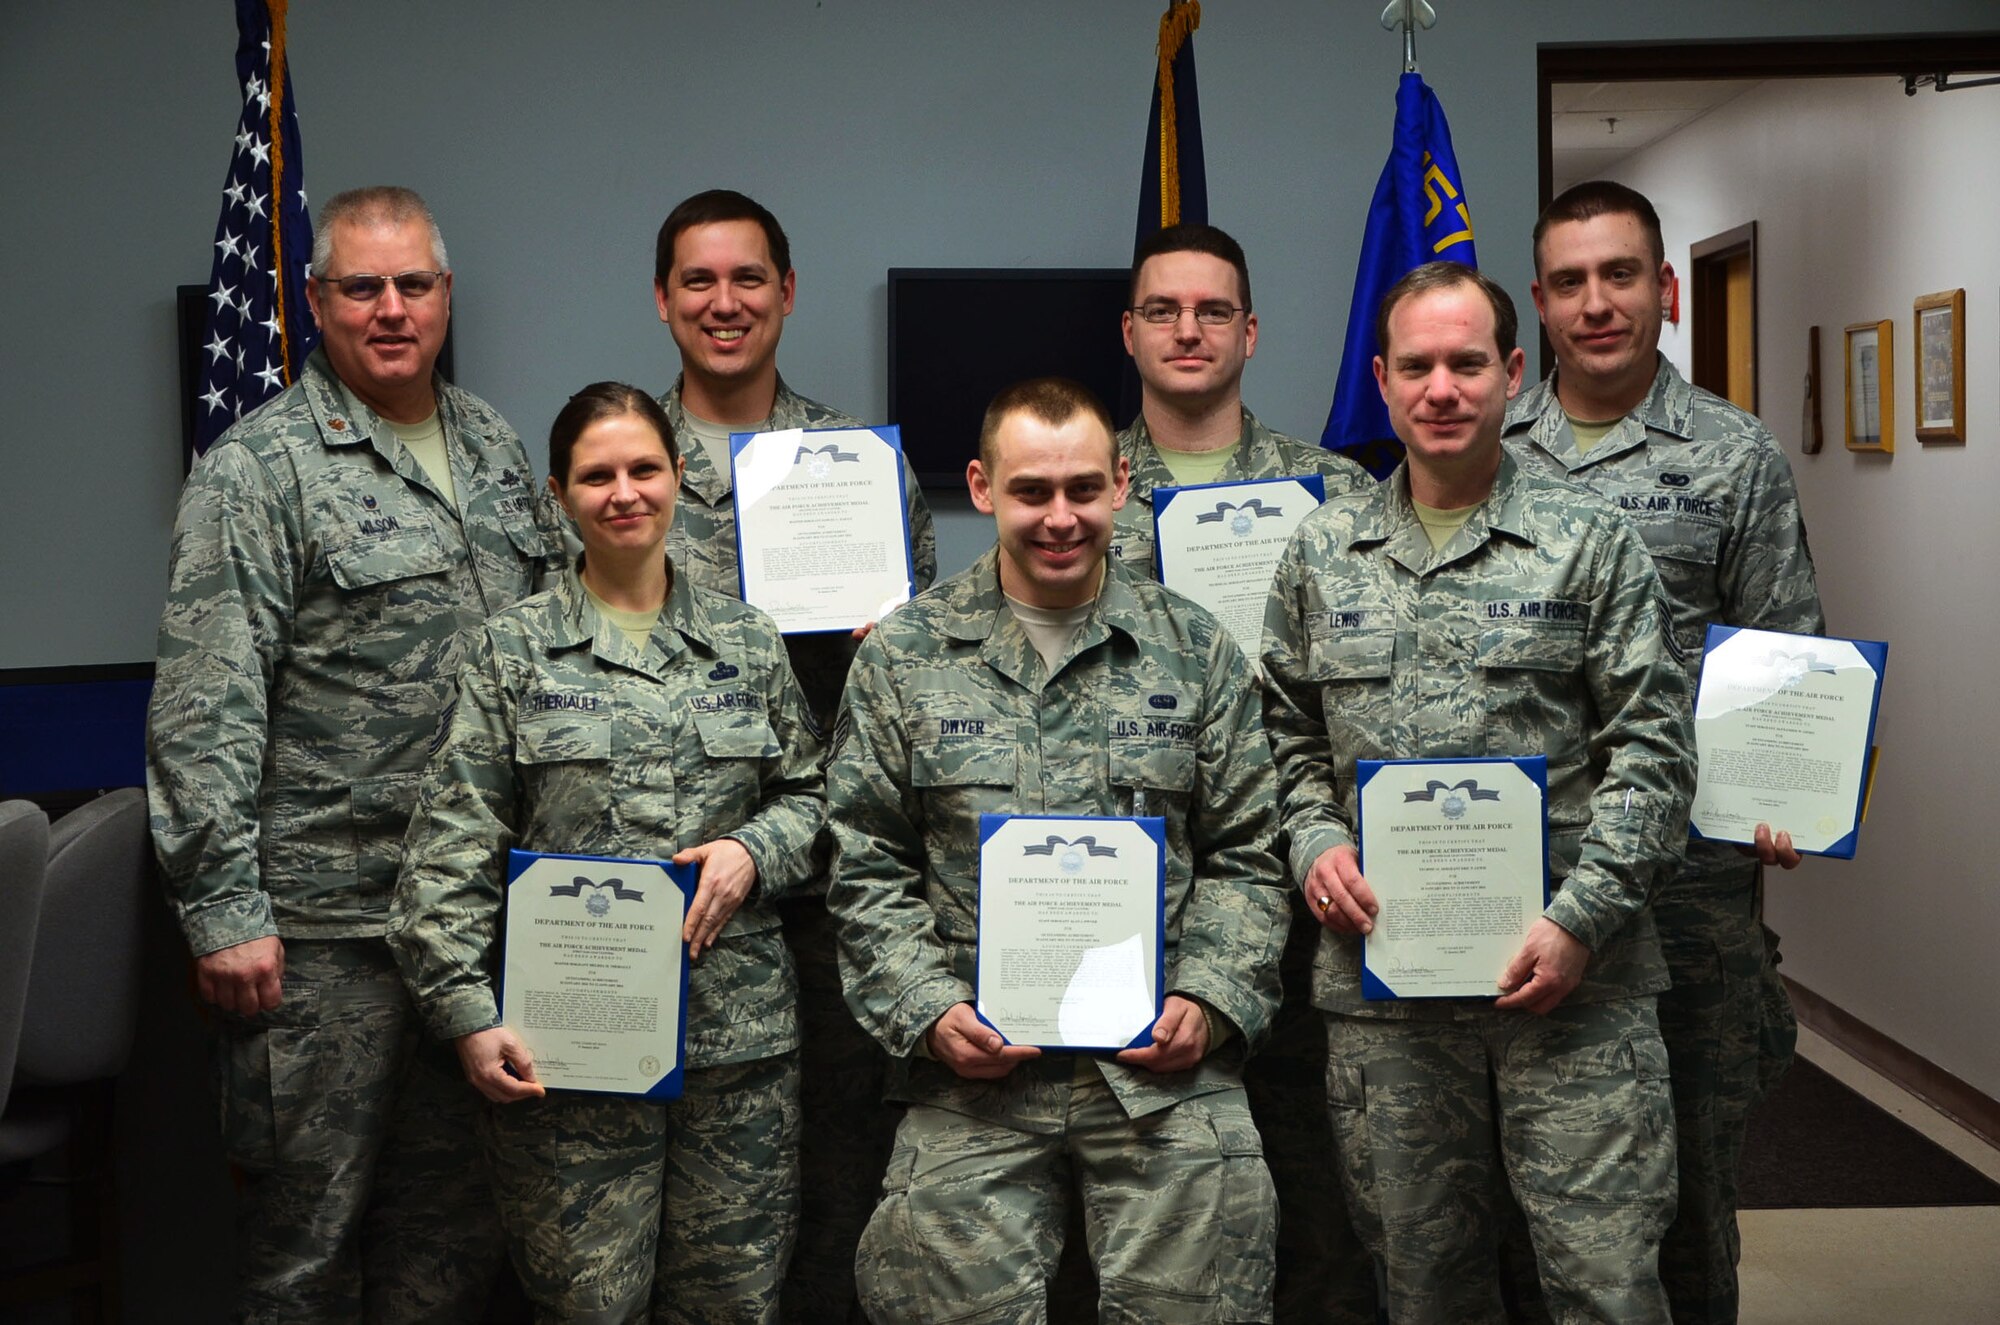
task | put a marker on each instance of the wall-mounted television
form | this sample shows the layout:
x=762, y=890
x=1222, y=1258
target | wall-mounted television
x=957, y=335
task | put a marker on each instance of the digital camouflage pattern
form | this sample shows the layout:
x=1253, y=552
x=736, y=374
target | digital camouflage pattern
x=319, y=589
x=703, y=539
x=1584, y=1136
x=1324, y=1274
x=568, y=737
x=589, y=1183
x=1178, y=1206
x=361, y=1193
x=1538, y=629
x=847, y=1125
x=951, y=713
x=1260, y=453
x=1714, y=499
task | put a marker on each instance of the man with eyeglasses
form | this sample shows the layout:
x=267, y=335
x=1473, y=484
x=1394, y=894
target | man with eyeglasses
x=329, y=550
x=1190, y=332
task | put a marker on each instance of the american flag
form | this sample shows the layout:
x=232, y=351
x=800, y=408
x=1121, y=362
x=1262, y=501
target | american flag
x=257, y=330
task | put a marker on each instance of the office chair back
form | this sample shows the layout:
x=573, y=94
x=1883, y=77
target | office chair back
x=24, y=858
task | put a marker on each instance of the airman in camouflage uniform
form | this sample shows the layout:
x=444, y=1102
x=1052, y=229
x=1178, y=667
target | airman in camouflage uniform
x=1713, y=499
x=723, y=282
x=1536, y=627
x=568, y=737
x=1191, y=378
x=321, y=580
x=953, y=711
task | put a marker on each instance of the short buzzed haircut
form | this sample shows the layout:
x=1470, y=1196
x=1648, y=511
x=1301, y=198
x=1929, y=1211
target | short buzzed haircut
x=1053, y=400
x=711, y=207
x=1600, y=197
x=1189, y=237
x=378, y=204
x=1434, y=276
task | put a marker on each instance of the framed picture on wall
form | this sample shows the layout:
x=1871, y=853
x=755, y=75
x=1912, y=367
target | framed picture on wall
x=1871, y=392
x=1940, y=350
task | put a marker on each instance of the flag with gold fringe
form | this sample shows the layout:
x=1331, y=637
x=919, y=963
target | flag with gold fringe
x=1419, y=214
x=257, y=329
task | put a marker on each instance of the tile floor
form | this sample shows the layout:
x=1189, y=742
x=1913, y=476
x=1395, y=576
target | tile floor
x=1924, y=1266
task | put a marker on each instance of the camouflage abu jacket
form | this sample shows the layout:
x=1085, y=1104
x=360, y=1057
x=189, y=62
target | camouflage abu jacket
x=318, y=590
x=703, y=539
x=568, y=738
x=1708, y=490
x=1540, y=629
x=1713, y=498
x=1260, y=453
x=949, y=714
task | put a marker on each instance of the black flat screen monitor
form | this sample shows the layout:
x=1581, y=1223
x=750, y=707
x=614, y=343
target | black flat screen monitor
x=958, y=335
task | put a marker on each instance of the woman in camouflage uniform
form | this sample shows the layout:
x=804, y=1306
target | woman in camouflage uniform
x=627, y=713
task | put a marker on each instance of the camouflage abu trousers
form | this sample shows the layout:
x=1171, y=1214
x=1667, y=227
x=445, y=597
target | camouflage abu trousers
x=1730, y=1033
x=1178, y=1209
x=1437, y=1120
x=362, y=1194
x=620, y=1209
x=1325, y=1275
x=846, y=1126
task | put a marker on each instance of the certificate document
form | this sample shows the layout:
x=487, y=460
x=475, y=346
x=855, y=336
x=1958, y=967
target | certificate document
x=595, y=977
x=1457, y=853
x=822, y=540
x=1219, y=544
x=1783, y=727
x=1072, y=929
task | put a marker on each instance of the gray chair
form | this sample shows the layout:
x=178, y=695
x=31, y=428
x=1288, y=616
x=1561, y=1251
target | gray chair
x=81, y=1005
x=24, y=859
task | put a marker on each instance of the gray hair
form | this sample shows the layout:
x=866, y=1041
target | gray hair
x=379, y=204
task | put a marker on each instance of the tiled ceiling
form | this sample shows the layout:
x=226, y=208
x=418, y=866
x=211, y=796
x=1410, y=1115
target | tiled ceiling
x=1596, y=125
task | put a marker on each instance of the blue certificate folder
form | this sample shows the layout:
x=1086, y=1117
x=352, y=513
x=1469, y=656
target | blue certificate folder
x=1239, y=516
x=1452, y=791
x=824, y=455
x=1875, y=655
x=598, y=900
x=1066, y=843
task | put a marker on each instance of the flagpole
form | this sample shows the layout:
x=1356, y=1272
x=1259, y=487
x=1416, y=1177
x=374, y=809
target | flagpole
x=1409, y=15
x=277, y=10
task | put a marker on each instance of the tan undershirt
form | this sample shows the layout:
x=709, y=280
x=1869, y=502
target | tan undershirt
x=1441, y=522
x=714, y=437
x=635, y=626
x=1588, y=434
x=1192, y=467
x=1049, y=629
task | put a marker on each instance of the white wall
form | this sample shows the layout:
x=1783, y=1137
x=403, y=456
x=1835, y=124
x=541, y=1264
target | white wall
x=1864, y=199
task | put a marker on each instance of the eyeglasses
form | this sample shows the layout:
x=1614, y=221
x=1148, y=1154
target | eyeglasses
x=1214, y=314
x=367, y=288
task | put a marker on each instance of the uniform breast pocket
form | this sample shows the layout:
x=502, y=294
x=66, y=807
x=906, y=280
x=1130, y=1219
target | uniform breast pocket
x=960, y=780
x=734, y=745
x=1533, y=679
x=565, y=764
x=395, y=589
x=1352, y=670
x=1685, y=552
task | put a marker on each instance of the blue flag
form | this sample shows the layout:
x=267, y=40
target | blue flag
x=1418, y=215
x=257, y=329
x=1173, y=181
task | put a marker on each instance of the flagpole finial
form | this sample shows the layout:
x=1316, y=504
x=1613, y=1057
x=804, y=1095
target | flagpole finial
x=1409, y=15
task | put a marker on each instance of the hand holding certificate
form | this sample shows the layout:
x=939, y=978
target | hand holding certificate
x=1072, y=929
x=1456, y=852
x=1219, y=544
x=595, y=979
x=1784, y=725
x=823, y=540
